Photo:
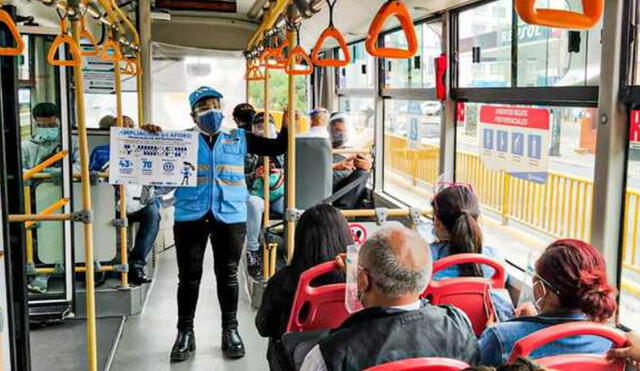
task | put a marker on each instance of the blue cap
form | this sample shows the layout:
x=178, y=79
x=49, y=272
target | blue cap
x=203, y=92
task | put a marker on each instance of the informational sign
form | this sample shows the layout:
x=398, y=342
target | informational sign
x=359, y=233
x=516, y=140
x=99, y=77
x=634, y=133
x=168, y=158
x=414, y=133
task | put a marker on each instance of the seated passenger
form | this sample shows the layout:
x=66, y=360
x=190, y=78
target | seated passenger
x=142, y=207
x=46, y=138
x=243, y=115
x=321, y=234
x=347, y=169
x=456, y=210
x=255, y=205
x=319, y=120
x=394, y=268
x=520, y=364
x=570, y=284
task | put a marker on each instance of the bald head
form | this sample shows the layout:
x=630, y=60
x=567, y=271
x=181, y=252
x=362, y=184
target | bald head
x=398, y=260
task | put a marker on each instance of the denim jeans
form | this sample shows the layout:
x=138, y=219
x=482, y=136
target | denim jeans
x=255, y=209
x=149, y=219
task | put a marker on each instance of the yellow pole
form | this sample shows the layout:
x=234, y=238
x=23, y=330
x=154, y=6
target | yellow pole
x=291, y=153
x=49, y=210
x=265, y=161
x=44, y=164
x=21, y=218
x=29, y=232
x=124, y=277
x=506, y=193
x=92, y=360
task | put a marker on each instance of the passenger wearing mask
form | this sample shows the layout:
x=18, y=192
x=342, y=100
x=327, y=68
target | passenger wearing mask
x=142, y=206
x=456, y=210
x=243, y=115
x=570, y=284
x=319, y=120
x=321, y=234
x=215, y=210
x=347, y=169
x=254, y=171
x=46, y=139
x=394, y=267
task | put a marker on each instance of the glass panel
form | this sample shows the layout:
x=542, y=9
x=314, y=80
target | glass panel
x=419, y=71
x=360, y=73
x=484, y=45
x=630, y=283
x=279, y=92
x=544, y=56
x=532, y=168
x=411, y=149
x=361, y=113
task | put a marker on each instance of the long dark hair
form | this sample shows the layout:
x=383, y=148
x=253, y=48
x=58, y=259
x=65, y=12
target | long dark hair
x=458, y=209
x=321, y=234
x=577, y=273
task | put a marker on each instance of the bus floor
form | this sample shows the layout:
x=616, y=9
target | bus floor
x=147, y=338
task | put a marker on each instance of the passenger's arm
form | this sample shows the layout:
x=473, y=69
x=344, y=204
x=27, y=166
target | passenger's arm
x=267, y=147
x=491, y=352
x=314, y=361
x=631, y=352
x=268, y=310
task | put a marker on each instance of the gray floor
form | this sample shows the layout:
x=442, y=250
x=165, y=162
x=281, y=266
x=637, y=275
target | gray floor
x=147, y=338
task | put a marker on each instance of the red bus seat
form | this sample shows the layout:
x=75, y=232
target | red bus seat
x=470, y=294
x=422, y=364
x=317, y=308
x=582, y=362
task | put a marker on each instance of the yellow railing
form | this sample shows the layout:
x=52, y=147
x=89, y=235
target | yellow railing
x=562, y=207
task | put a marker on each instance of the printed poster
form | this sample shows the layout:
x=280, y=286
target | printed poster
x=516, y=140
x=165, y=159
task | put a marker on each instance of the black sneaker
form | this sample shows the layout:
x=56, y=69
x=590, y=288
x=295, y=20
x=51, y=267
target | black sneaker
x=137, y=276
x=254, y=265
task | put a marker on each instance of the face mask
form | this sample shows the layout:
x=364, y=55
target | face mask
x=210, y=121
x=338, y=139
x=538, y=302
x=47, y=134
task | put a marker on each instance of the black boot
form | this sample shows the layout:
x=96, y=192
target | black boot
x=254, y=265
x=232, y=345
x=137, y=276
x=184, y=346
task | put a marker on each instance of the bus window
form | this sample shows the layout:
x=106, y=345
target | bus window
x=361, y=114
x=424, y=71
x=397, y=71
x=552, y=57
x=484, y=45
x=411, y=149
x=533, y=170
x=630, y=289
x=359, y=74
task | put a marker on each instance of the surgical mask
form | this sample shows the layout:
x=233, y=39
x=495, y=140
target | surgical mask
x=47, y=134
x=338, y=139
x=210, y=121
x=538, y=302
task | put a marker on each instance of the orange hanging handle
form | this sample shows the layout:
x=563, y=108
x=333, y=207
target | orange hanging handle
x=296, y=57
x=271, y=59
x=342, y=43
x=400, y=11
x=591, y=14
x=74, y=49
x=87, y=35
x=254, y=74
x=130, y=67
x=6, y=19
x=116, y=54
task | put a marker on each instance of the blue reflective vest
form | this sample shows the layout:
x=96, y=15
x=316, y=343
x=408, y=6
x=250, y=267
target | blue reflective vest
x=221, y=184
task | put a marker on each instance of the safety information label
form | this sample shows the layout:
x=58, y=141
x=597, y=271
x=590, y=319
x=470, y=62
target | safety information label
x=166, y=159
x=99, y=77
x=515, y=140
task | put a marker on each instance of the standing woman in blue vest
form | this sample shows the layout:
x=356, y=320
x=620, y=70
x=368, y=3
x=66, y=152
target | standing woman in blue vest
x=215, y=210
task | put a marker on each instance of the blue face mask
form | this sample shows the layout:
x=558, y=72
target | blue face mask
x=210, y=121
x=47, y=134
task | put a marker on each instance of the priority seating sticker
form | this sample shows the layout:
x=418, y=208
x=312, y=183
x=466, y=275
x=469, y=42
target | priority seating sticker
x=359, y=233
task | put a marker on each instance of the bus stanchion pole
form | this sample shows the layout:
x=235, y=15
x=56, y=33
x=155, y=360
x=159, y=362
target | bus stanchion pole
x=291, y=152
x=92, y=360
x=28, y=231
x=124, y=276
x=265, y=161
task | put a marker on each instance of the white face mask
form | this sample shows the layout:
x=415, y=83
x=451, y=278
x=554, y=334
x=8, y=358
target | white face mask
x=538, y=301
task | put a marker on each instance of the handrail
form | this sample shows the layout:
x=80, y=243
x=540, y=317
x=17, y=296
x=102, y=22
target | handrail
x=400, y=11
x=6, y=19
x=331, y=62
x=44, y=164
x=592, y=11
x=131, y=67
x=49, y=210
x=86, y=34
x=297, y=56
x=21, y=218
x=269, y=20
x=74, y=50
x=272, y=60
x=255, y=74
x=291, y=149
x=117, y=52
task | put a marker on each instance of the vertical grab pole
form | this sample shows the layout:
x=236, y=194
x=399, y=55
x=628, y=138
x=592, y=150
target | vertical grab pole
x=124, y=259
x=92, y=362
x=28, y=231
x=291, y=152
x=265, y=161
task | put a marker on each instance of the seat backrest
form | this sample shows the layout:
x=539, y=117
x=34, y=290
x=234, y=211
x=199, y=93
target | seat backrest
x=314, y=175
x=469, y=294
x=317, y=308
x=583, y=362
x=422, y=364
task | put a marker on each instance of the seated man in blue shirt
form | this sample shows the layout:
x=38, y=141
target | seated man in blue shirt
x=142, y=207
